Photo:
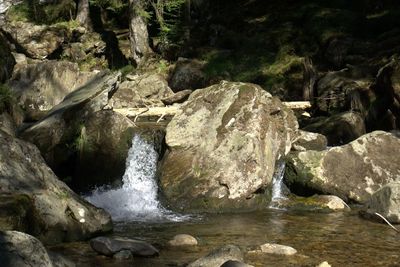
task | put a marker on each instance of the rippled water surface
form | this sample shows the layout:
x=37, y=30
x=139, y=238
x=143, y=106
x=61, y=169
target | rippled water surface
x=342, y=239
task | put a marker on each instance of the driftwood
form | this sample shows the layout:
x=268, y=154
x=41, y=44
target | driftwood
x=166, y=113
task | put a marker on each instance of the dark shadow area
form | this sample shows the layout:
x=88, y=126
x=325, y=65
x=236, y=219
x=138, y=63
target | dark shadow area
x=115, y=58
x=264, y=42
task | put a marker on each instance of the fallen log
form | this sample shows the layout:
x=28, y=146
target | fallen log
x=166, y=113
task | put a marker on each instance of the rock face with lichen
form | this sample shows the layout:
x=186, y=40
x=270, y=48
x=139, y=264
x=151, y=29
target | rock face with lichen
x=141, y=91
x=41, y=86
x=56, y=213
x=351, y=172
x=37, y=41
x=223, y=146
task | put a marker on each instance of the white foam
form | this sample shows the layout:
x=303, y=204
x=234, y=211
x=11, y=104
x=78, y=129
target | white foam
x=277, y=185
x=137, y=199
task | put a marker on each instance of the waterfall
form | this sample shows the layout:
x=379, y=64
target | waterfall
x=136, y=199
x=277, y=185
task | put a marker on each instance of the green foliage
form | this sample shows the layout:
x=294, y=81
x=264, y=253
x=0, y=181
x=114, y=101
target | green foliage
x=92, y=62
x=7, y=98
x=127, y=69
x=19, y=12
x=33, y=11
x=162, y=67
x=169, y=17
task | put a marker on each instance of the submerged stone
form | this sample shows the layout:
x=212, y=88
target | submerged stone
x=271, y=248
x=123, y=255
x=110, y=246
x=316, y=203
x=218, y=257
x=183, y=240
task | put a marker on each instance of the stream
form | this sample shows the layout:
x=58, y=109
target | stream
x=342, y=238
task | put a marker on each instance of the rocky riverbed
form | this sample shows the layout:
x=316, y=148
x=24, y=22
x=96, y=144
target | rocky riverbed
x=184, y=151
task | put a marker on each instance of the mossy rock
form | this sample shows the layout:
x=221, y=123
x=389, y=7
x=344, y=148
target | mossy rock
x=315, y=203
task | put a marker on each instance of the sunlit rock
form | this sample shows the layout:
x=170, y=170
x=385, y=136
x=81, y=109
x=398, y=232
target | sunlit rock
x=183, y=240
x=386, y=202
x=223, y=146
x=352, y=172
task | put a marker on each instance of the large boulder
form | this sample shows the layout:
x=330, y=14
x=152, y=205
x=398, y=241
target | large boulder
x=22, y=250
x=223, y=146
x=36, y=41
x=58, y=214
x=339, y=129
x=7, y=60
x=352, y=172
x=138, y=91
x=41, y=86
x=386, y=202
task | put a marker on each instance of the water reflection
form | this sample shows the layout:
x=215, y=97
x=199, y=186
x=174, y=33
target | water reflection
x=342, y=239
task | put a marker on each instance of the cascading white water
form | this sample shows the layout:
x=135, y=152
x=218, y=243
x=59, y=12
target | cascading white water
x=137, y=198
x=277, y=184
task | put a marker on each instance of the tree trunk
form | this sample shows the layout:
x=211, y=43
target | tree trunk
x=138, y=34
x=188, y=19
x=309, y=79
x=83, y=14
